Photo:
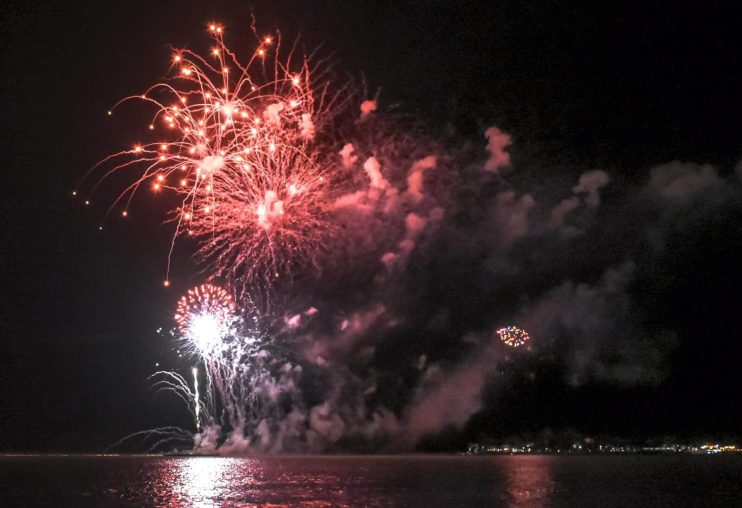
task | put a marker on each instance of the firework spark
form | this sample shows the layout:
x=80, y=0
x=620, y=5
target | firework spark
x=234, y=143
x=513, y=336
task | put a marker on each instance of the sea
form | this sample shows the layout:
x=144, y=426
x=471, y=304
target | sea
x=329, y=481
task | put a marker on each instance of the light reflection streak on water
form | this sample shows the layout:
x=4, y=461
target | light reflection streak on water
x=529, y=480
x=204, y=481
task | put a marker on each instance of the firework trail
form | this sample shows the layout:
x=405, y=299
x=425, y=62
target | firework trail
x=197, y=397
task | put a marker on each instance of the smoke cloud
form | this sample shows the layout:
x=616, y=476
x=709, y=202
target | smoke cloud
x=387, y=382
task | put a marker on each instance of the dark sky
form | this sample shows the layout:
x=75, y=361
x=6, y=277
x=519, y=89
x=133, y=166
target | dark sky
x=621, y=86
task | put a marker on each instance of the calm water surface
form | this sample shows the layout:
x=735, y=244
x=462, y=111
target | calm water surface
x=371, y=481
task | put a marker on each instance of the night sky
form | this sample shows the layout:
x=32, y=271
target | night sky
x=617, y=86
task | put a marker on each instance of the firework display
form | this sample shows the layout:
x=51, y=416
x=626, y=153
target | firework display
x=244, y=151
x=513, y=336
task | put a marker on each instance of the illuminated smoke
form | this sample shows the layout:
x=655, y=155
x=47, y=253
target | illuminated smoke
x=497, y=142
x=590, y=184
x=347, y=155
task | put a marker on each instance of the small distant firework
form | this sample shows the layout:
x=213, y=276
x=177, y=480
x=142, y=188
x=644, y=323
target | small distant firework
x=513, y=336
x=206, y=316
x=234, y=142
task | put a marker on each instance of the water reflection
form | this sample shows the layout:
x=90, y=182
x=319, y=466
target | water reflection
x=84, y=481
x=529, y=480
x=332, y=481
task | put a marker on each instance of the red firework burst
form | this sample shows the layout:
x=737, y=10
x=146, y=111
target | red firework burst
x=235, y=146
